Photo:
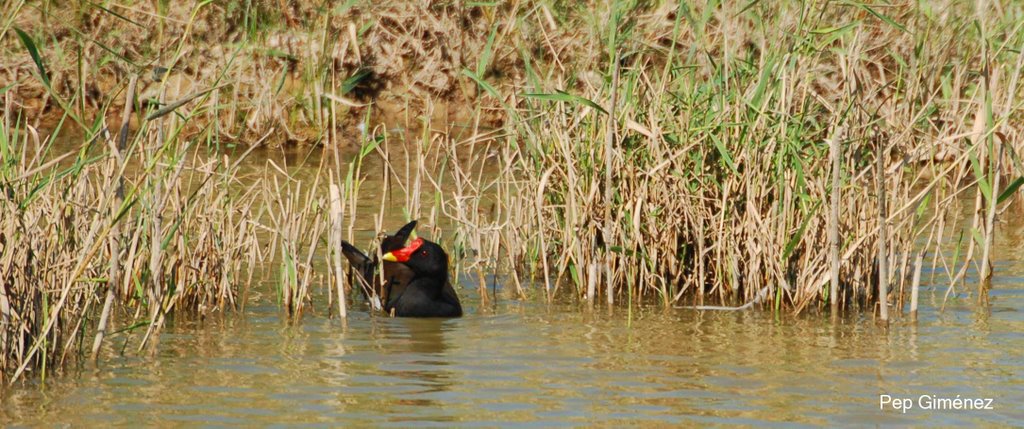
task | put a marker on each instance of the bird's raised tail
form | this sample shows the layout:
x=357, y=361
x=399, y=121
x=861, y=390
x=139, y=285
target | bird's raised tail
x=397, y=241
x=364, y=268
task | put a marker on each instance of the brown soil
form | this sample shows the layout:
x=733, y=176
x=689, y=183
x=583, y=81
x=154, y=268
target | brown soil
x=412, y=54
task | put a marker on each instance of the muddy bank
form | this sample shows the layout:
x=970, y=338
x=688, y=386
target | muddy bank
x=296, y=70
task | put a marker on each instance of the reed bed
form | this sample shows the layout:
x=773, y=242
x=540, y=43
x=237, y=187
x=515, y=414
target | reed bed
x=794, y=156
x=298, y=220
x=112, y=237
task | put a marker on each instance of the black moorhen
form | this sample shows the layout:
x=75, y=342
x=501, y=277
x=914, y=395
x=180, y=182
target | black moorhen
x=415, y=276
x=367, y=266
x=428, y=293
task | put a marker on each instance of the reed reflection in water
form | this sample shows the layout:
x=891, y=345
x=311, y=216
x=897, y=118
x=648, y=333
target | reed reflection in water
x=549, y=366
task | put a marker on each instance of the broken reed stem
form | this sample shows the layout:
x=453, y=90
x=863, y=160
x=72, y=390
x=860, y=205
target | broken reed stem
x=115, y=235
x=482, y=288
x=336, y=231
x=539, y=210
x=591, y=282
x=883, y=248
x=915, y=284
x=833, y=227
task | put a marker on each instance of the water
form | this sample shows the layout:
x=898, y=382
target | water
x=538, y=365
x=533, y=364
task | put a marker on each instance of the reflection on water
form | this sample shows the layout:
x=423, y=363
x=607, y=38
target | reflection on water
x=550, y=366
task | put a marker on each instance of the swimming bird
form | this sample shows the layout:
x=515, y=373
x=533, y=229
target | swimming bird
x=429, y=293
x=415, y=276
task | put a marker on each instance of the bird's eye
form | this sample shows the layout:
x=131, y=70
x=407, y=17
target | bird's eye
x=423, y=253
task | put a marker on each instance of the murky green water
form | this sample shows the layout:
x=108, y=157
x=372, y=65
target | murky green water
x=533, y=364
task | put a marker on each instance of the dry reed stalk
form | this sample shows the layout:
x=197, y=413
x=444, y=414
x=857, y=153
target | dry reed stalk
x=994, y=165
x=883, y=227
x=114, y=272
x=312, y=203
x=539, y=204
x=915, y=284
x=156, y=286
x=336, y=231
x=6, y=315
x=591, y=282
x=978, y=221
x=609, y=159
x=835, y=153
x=985, y=277
x=95, y=238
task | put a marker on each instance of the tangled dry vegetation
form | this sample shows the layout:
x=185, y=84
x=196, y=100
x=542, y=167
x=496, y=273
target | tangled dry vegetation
x=274, y=67
x=783, y=154
x=86, y=245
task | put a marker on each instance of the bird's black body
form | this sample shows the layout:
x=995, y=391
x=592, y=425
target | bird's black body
x=428, y=293
x=415, y=276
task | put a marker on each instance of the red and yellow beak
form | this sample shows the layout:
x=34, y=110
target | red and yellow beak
x=403, y=254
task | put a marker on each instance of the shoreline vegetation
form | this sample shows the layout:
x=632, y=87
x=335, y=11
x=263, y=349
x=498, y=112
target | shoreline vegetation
x=815, y=157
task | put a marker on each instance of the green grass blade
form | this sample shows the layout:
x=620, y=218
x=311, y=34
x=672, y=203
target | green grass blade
x=979, y=174
x=565, y=97
x=483, y=84
x=370, y=146
x=976, y=235
x=485, y=57
x=746, y=8
x=8, y=87
x=881, y=16
x=724, y=151
x=171, y=107
x=352, y=81
x=791, y=245
x=1009, y=191
x=122, y=17
x=33, y=52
